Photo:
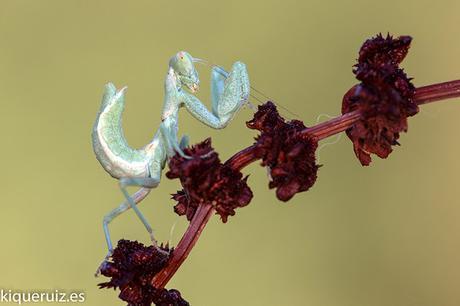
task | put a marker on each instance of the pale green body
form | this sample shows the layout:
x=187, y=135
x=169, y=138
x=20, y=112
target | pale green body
x=143, y=167
x=120, y=160
x=112, y=149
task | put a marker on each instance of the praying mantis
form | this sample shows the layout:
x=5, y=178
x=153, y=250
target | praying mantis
x=143, y=167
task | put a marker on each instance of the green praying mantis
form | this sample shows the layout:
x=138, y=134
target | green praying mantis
x=143, y=167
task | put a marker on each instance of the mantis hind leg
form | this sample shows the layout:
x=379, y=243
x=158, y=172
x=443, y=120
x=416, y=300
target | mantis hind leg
x=137, y=197
x=147, y=182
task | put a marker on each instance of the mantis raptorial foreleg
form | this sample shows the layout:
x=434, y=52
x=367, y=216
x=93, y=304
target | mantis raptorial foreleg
x=232, y=92
x=184, y=142
x=228, y=95
x=169, y=135
x=218, y=76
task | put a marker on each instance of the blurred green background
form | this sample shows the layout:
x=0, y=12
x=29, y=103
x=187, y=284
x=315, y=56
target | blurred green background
x=382, y=235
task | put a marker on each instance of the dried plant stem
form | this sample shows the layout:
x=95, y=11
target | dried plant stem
x=333, y=126
x=191, y=235
x=423, y=95
x=437, y=92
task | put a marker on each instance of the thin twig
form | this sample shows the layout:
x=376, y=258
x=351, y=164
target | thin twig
x=196, y=226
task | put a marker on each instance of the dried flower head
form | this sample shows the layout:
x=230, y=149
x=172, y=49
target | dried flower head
x=289, y=155
x=172, y=297
x=205, y=180
x=132, y=268
x=384, y=97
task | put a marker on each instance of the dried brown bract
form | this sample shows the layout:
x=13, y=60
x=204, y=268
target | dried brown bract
x=132, y=268
x=172, y=297
x=289, y=155
x=384, y=97
x=205, y=180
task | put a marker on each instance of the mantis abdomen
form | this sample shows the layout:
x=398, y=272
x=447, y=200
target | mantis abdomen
x=109, y=142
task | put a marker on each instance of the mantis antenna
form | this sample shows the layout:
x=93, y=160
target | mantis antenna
x=278, y=104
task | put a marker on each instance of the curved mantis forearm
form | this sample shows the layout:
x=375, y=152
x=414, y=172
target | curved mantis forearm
x=198, y=110
x=218, y=76
x=169, y=136
x=229, y=92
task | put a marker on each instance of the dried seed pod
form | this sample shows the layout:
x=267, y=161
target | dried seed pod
x=205, y=180
x=131, y=269
x=384, y=97
x=288, y=154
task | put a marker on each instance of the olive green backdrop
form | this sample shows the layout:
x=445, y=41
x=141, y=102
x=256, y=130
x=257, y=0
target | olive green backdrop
x=383, y=235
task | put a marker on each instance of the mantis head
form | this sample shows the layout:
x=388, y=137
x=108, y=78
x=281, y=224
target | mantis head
x=182, y=64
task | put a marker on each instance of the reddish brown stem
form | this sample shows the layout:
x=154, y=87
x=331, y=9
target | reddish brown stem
x=423, y=95
x=242, y=158
x=333, y=126
x=437, y=92
x=199, y=221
